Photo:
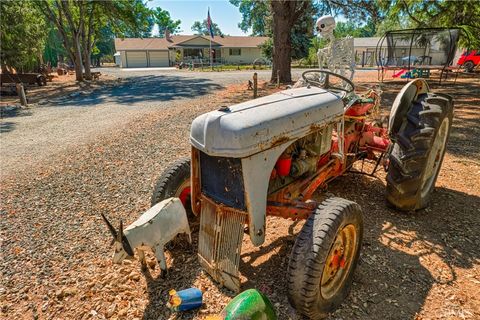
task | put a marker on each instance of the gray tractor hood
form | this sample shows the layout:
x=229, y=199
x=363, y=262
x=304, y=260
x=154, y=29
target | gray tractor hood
x=248, y=128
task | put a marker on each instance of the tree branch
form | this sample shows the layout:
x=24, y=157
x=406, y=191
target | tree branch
x=301, y=10
x=420, y=23
x=48, y=12
x=63, y=4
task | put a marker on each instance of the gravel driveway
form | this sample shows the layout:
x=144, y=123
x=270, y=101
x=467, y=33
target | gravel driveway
x=28, y=137
x=55, y=258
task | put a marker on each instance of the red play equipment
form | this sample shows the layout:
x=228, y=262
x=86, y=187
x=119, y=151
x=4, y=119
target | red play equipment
x=399, y=73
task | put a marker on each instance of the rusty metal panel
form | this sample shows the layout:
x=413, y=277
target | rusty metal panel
x=254, y=126
x=220, y=242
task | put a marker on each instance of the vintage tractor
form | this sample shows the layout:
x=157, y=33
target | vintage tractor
x=268, y=156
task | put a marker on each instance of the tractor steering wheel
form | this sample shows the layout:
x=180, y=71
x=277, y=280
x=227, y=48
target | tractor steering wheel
x=324, y=82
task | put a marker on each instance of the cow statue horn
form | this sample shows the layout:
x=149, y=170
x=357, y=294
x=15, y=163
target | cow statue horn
x=110, y=227
x=120, y=232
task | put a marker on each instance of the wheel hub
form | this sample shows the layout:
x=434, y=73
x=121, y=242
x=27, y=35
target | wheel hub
x=183, y=192
x=338, y=261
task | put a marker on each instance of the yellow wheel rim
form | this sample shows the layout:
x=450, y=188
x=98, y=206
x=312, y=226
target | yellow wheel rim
x=339, y=261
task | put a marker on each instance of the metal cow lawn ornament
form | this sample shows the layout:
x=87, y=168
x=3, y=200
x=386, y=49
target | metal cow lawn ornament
x=339, y=54
x=157, y=226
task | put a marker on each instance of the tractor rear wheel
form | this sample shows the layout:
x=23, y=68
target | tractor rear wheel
x=418, y=150
x=174, y=182
x=324, y=257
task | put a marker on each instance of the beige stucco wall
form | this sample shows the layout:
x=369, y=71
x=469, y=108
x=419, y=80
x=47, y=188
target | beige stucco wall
x=248, y=55
x=172, y=54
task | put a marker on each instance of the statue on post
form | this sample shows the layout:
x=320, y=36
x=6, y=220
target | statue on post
x=339, y=55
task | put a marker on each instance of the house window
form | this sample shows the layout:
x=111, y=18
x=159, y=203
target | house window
x=235, y=52
x=192, y=53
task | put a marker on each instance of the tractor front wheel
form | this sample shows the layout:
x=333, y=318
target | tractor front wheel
x=324, y=257
x=418, y=150
x=174, y=182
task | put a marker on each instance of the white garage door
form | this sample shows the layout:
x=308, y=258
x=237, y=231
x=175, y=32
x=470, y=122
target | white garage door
x=136, y=59
x=158, y=58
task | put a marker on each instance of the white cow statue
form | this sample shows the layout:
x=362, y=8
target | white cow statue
x=157, y=226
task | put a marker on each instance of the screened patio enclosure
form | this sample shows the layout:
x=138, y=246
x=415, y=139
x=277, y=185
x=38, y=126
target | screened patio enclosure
x=421, y=50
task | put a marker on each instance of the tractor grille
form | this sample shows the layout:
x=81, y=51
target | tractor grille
x=220, y=242
x=222, y=180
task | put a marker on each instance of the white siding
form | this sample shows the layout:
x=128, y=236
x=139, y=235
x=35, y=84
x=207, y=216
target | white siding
x=248, y=55
x=136, y=59
x=158, y=58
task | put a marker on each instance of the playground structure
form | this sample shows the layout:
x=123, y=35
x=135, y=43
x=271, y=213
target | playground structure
x=415, y=53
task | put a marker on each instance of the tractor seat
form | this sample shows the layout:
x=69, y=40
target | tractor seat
x=360, y=107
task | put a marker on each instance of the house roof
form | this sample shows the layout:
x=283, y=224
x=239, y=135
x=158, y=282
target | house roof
x=177, y=40
x=366, y=42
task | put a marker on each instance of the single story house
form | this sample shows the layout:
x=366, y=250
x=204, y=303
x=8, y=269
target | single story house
x=365, y=50
x=164, y=52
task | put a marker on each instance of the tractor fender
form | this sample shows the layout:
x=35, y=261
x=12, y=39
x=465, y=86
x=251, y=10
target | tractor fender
x=256, y=175
x=403, y=103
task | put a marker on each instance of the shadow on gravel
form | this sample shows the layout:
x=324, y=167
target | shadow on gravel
x=179, y=272
x=11, y=112
x=183, y=271
x=146, y=89
x=392, y=280
x=465, y=133
x=6, y=126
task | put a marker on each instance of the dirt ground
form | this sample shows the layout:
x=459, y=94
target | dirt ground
x=56, y=259
x=59, y=86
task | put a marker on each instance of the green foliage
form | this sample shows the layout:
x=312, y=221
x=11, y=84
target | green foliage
x=53, y=47
x=315, y=44
x=267, y=48
x=349, y=28
x=104, y=45
x=356, y=10
x=201, y=28
x=129, y=18
x=436, y=13
x=165, y=22
x=255, y=15
x=22, y=32
x=302, y=32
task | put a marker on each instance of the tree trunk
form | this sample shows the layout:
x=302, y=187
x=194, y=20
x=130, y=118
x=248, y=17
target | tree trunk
x=282, y=44
x=21, y=94
x=76, y=32
x=78, y=59
x=87, y=63
x=281, y=52
x=285, y=14
x=87, y=43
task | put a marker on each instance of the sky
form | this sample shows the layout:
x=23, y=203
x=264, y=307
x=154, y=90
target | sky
x=222, y=13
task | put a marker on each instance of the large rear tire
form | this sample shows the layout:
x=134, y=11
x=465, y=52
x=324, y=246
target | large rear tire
x=174, y=182
x=418, y=150
x=324, y=257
